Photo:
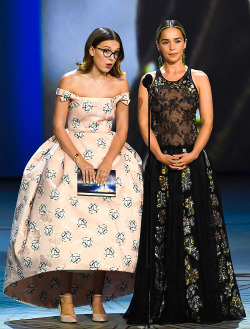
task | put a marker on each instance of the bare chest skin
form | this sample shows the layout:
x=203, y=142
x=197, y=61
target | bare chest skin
x=85, y=86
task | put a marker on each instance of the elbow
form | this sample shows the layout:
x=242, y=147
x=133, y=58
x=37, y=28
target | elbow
x=143, y=124
x=211, y=126
x=208, y=125
x=123, y=133
x=143, y=127
x=57, y=129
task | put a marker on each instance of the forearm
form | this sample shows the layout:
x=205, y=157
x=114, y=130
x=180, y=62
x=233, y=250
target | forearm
x=154, y=145
x=65, y=142
x=116, y=146
x=202, y=138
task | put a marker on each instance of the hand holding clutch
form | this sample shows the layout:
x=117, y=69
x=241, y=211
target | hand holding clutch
x=93, y=189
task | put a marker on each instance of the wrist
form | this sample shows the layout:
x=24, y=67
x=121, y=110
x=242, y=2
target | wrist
x=108, y=160
x=159, y=156
x=195, y=154
x=76, y=157
x=79, y=160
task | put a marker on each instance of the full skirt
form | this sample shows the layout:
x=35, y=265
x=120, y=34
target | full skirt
x=59, y=238
x=191, y=276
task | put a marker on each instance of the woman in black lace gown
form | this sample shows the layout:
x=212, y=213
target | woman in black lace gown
x=191, y=272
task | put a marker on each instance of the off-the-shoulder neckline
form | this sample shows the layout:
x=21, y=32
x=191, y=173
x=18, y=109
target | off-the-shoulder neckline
x=127, y=92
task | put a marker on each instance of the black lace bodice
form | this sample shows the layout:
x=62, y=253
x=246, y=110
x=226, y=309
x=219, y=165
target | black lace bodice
x=173, y=109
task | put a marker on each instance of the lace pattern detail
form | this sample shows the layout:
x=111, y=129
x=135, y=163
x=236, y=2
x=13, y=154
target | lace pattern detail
x=173, y=107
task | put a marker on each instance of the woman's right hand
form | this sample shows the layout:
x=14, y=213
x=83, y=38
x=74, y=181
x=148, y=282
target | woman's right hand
x=172, y=162
x=88, y=172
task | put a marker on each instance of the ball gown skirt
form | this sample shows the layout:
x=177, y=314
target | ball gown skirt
x=191, y=272
x=56, y=232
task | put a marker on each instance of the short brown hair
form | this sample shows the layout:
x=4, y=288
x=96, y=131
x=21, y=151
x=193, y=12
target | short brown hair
x=167, y=24
x=96, y=37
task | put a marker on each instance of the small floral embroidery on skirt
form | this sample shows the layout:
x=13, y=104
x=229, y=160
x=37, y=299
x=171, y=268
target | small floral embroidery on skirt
x=160, y=246
x=229, y=298
x=191, y=273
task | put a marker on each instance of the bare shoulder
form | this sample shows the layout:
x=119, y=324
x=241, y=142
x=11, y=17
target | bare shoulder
x=199, y=75
x=121, y=83
x=201, y=80
x=69, y=80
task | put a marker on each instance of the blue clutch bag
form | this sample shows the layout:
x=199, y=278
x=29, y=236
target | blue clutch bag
x=108, y=189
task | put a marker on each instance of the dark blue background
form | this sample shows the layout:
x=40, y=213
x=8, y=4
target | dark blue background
x=20, y=84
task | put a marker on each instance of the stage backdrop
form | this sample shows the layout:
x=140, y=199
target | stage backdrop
x=51, y=39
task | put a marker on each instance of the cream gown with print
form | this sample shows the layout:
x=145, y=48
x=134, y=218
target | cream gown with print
x=56, y=232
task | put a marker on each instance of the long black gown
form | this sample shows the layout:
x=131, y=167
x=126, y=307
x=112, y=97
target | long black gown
x=191, y=272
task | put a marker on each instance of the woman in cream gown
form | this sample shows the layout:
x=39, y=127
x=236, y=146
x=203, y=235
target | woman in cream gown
x=63, y=244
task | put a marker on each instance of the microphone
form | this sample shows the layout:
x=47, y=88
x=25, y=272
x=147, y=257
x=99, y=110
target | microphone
x=147, y=81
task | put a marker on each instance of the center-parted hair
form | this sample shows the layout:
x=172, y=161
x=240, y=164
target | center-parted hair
x=170, y=23
x=96, y=37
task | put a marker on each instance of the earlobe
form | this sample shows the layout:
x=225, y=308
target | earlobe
x=158, y=48
x=91, y=51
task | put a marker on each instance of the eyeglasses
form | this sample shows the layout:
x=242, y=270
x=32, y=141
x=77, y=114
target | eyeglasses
x=108, y=53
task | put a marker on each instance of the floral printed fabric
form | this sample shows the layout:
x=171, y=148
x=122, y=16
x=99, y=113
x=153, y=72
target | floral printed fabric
x=55, y=231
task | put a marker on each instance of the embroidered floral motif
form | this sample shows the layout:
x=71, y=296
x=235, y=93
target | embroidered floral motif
x=236, y=307
x=209, y=173
x=214, y=200
x=230, y=301
x=191, y=290
x=159, y=235
x=222, y=269
x=162, y=216
x=217, y=218
x=186, y=179
x=191, y=271
x=189, y=205
x=163, y=182
x=187, y=224
x=191, y=274
x=159, y=245
x=190, y=247
x=195, y=304
x=161, y=199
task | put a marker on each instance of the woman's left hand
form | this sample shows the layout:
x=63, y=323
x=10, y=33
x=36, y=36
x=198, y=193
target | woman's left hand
x=182, y=160
x=103, y=172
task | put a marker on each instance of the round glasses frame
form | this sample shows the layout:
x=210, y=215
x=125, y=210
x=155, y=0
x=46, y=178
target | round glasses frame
x=108, y=53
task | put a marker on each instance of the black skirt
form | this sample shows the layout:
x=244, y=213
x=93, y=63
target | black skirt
x=191, y=275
